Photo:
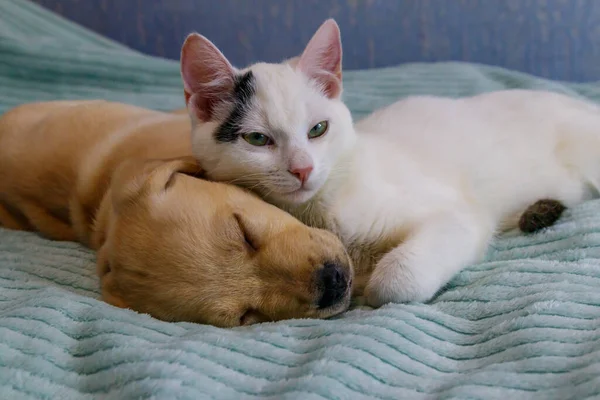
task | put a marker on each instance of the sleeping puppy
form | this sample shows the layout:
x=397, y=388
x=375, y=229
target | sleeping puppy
x=120, y=179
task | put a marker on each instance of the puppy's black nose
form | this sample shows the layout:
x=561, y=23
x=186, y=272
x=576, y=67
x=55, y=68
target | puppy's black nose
x=334, y=283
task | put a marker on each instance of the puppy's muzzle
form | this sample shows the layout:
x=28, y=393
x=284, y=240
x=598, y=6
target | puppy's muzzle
x=334, y=281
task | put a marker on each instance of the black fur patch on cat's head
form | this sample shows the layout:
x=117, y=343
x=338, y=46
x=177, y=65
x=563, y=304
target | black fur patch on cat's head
x=243, y=91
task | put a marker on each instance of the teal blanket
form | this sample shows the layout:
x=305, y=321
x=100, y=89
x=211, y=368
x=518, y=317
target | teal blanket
x=524, y=324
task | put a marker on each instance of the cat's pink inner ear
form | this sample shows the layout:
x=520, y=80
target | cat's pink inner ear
x=208, y=77
x=322, y=58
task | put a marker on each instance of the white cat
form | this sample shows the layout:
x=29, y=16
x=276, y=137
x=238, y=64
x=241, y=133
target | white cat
x=416, y=190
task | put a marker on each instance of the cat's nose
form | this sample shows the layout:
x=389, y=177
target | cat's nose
x=302, y=173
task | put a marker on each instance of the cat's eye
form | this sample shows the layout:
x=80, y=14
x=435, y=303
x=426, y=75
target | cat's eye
x=318, y=130
x=257, y=139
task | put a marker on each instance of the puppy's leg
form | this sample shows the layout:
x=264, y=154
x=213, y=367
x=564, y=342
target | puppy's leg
x=47, y=224
x=81, y=221
x=11, y=221
x=438, y=248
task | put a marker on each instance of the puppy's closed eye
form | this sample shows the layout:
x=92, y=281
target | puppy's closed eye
x=250, y=239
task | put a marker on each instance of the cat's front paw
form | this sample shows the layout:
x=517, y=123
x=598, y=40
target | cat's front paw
x=396, y=280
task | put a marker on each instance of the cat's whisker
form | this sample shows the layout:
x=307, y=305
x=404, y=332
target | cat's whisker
x=256, y=186
x=247, y=178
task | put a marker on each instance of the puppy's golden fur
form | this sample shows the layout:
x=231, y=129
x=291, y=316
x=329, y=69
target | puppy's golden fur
x=120, y=179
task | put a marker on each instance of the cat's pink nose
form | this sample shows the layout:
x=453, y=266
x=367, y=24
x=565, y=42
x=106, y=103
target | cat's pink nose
x=302, y=173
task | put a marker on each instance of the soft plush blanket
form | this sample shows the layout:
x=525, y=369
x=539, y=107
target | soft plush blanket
x=524, y=324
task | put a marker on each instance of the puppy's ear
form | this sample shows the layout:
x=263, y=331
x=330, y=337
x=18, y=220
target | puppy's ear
x=135, y=178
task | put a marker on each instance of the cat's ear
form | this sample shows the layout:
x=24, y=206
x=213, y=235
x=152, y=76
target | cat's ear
x=208, y=77
x=321, y=60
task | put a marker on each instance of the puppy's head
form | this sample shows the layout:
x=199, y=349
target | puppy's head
x=185, y=249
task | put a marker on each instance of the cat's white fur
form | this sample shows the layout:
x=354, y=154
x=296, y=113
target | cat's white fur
x=416, y=190
x=286, y=115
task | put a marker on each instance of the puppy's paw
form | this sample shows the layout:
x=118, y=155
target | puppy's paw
x=396, y=280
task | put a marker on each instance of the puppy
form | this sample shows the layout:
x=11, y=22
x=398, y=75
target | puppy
x=121, y=180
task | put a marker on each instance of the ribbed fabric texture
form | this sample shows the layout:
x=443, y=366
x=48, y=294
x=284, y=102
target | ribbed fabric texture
x=524, y=324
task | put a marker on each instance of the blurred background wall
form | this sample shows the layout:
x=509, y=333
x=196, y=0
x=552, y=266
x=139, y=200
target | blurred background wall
x=557, y=39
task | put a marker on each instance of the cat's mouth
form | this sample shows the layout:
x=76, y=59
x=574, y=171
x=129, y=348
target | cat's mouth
x=296, y=196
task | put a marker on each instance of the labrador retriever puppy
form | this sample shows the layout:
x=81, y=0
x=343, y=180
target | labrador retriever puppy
x=121, y=180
